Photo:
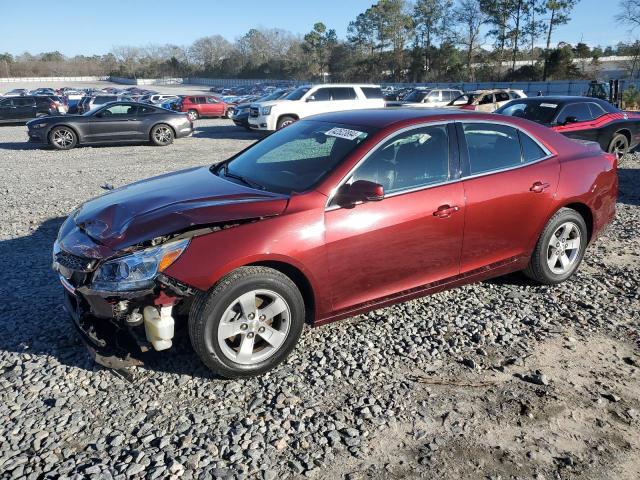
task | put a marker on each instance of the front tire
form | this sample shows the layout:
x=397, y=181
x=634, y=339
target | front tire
x=619, y=145
x=63, y=138
x=193, y=115
x=248, y=323
x=560, y=248
x=161, y=135
x=285, y=121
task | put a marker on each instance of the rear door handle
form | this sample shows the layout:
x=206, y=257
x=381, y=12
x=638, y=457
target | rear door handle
x=445, y=211
x=539, y=187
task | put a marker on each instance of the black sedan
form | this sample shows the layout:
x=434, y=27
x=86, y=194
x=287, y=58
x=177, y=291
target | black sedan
x=583, y=118
x=114, y=122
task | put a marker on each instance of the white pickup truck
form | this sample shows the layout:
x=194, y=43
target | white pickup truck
x=313, y=99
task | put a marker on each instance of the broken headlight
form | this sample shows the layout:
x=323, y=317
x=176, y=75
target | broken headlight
x=138, y=270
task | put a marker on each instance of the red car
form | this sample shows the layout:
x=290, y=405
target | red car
x=333, y=216
x=197, y=106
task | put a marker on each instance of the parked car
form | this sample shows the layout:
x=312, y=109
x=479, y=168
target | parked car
x=584, y=118
x=92, y=102
x=427, y=97
x=112, y=123
x=329, y=218
x=158, y=98
x=240, y=113
x=196, y=106
x=486, y=100
x=22, y=108
x=16, y=92
x=313, y=99
x=43, y=91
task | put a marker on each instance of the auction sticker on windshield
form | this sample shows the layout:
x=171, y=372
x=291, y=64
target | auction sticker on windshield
x=345, y=133
x=549, y=105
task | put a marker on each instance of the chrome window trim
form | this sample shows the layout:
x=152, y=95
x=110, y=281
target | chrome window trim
x=328, y=207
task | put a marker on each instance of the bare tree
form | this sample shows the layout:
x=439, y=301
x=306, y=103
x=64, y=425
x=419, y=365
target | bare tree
x=469, y=16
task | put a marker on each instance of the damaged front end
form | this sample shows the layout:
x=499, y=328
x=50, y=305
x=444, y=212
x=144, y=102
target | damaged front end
x=123, y=305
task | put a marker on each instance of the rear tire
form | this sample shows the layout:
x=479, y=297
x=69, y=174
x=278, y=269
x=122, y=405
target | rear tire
x=284, y=121
x=247, y=323
x=161, y=135
x=560, y=248
x=619, y=145
x=63, y=138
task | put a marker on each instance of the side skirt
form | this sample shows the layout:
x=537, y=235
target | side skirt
x=497, y=269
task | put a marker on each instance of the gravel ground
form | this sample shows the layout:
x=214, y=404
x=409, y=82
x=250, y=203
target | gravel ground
x=495, y=380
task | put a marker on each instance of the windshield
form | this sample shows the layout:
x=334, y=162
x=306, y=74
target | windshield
x=298, y=93
x=464, y=99
x=272, y=96
x=416, y=96
x=537, y=111
x=295, y=158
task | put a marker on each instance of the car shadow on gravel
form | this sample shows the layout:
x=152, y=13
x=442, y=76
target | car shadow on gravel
x=18, y=146
x=628, y=183
x=33, y=321
x=230, y=132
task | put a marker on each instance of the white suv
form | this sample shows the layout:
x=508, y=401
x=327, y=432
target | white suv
x=311, y=100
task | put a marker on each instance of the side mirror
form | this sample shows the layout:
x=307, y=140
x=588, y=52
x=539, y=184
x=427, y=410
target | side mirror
x=569, y=120
x=359, y=191
x=311, y=98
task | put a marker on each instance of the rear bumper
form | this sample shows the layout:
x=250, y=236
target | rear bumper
x=185, y=131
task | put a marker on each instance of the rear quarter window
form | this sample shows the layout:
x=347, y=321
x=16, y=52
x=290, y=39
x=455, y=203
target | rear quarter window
x=372, y=92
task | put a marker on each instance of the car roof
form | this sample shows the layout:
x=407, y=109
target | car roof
x=562, y=100
x=386, y=117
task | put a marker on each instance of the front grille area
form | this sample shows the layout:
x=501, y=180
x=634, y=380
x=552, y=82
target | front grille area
x=255, y=112
x=73, y=262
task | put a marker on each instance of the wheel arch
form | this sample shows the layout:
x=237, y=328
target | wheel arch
x=292, y=115
x=585, y=212
x=624, y=131
x=299, y=278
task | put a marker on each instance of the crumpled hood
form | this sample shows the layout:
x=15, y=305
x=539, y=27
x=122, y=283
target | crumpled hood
x=171, y=203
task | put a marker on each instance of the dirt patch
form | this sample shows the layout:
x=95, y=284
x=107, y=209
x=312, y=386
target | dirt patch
x=583, y=423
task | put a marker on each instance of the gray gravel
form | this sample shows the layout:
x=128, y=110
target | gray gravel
x=501, y=379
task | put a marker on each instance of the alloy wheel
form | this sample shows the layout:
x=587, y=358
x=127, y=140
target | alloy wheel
x=62, y=137
x=564, y=248
x=162, y=135
x=254, y=327
x=619, y=147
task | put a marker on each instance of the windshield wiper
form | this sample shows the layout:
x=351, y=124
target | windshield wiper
x=244, y=180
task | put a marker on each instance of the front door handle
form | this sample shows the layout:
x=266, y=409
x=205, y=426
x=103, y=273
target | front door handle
x=445, y=211
x=539, y=187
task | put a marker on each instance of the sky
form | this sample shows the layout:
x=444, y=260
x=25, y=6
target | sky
x=94, y=27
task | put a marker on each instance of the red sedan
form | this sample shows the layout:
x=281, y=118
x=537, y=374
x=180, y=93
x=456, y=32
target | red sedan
x=333, y=216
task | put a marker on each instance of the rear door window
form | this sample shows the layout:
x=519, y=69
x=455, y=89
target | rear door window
x=491, y=147
x=486, y=99
x=343, y=93
x=502, y=97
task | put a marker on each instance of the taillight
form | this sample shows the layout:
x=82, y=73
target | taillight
x=613, y=159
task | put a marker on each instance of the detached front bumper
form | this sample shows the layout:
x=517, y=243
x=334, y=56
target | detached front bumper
x=108, y=343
